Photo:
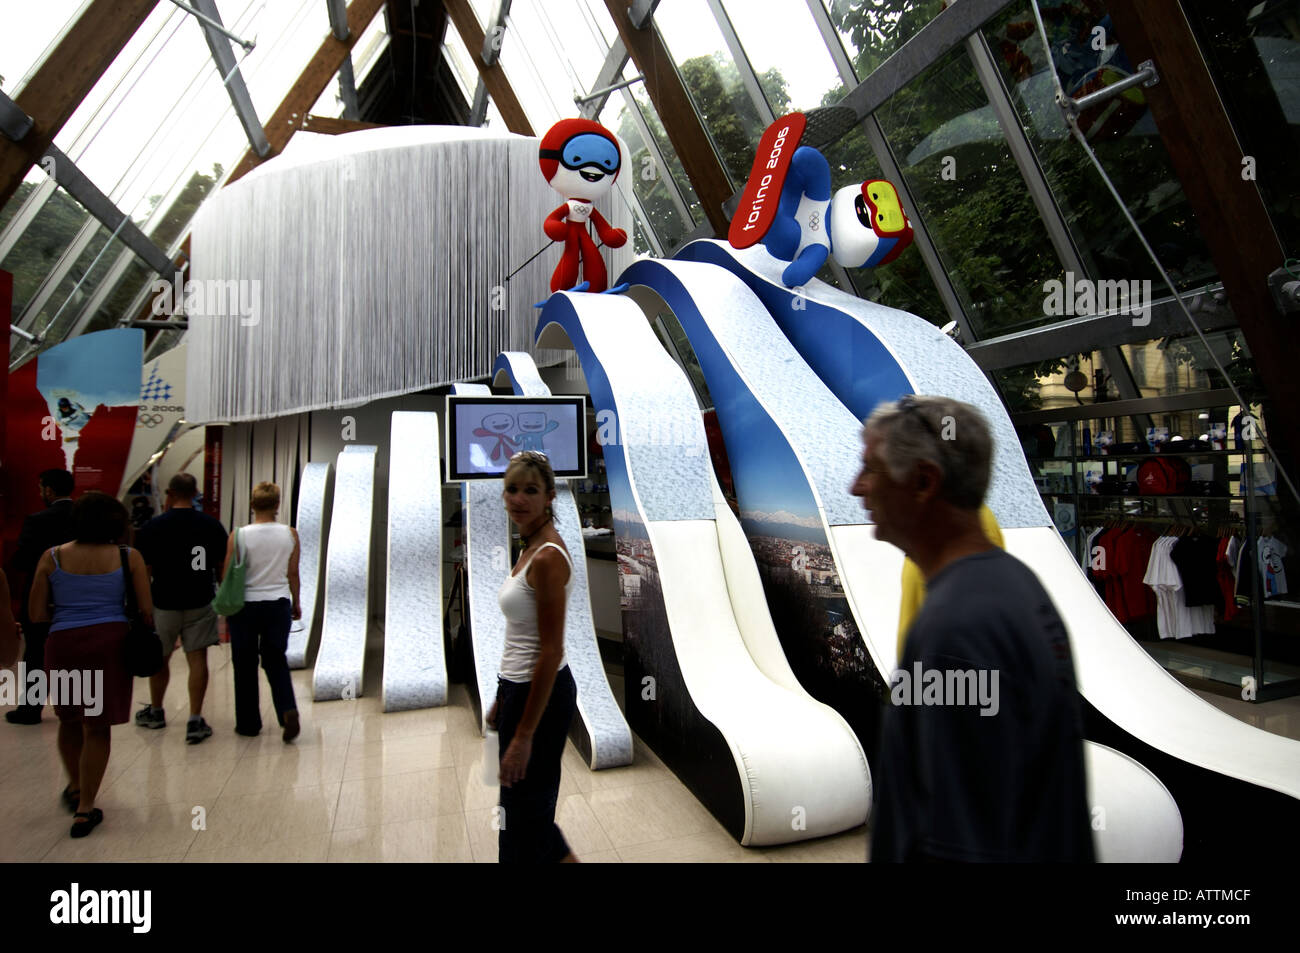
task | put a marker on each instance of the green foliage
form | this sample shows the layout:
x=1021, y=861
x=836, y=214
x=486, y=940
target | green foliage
x=49, y=236
x=650, y=184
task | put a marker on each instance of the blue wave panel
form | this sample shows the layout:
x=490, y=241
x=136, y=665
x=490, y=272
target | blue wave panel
x=692, y=746
x=706, y=684
x=867, y=354
x=793, y=451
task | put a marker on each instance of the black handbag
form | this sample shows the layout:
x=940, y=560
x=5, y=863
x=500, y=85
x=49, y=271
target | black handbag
x=144, y=654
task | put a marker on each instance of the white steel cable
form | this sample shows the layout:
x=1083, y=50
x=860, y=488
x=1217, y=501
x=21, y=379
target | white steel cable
x=1061, y=100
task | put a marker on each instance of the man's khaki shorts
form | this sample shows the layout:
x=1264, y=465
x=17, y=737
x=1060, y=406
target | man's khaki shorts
x=196, y=628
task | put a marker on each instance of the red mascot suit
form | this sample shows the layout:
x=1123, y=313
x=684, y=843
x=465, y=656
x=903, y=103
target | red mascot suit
x=580, y=159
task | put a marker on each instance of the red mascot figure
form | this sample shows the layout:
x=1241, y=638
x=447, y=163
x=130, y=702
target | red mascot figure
x=580, y=159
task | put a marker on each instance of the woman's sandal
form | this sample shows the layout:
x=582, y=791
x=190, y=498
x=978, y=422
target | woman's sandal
x=71, y=799
x=92, y=820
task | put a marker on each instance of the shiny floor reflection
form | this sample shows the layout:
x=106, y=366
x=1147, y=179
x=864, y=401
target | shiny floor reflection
x=361, y=785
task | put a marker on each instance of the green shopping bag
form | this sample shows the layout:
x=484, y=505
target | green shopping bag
x=230, y=596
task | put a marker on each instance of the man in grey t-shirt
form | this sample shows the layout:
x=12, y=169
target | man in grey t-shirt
x=982, y=747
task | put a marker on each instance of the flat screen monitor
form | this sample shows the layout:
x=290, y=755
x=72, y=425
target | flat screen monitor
x=483, y=433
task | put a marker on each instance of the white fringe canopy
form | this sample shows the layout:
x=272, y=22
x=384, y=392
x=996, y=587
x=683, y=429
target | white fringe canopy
x=368, y=265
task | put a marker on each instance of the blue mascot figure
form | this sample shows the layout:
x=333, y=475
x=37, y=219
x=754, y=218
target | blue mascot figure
x=788, y=206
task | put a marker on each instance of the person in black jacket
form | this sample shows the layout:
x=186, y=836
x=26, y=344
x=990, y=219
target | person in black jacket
x=41, y=531
x=183, y=549
x=981, y=755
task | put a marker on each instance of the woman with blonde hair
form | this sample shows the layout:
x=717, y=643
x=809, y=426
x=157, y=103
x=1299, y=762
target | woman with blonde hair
x=536, y=694
x=261, y=628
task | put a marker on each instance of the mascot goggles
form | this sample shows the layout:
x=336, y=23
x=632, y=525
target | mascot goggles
x=586, y=149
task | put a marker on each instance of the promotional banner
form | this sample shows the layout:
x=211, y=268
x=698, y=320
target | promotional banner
x=6, y=492
x=72, y=408
x=159, y=420
x=212, y=471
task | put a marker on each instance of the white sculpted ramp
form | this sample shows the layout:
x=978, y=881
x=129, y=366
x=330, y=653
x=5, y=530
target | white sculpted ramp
x=600, y=731
x=487, y=560
x=340, y=663
x=312, y=523
x=867, y=353
x=768, y=400
x=1124, y=800
x=770, y=762
x=415, y=664
x=1118, y=676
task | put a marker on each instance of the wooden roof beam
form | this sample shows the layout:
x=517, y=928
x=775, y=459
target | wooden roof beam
x=65, y=78
x=677, y=113
x=291, y=114
x=471, y=34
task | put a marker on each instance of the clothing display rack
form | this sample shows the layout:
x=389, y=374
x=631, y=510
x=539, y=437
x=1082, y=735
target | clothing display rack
x=1233, y=504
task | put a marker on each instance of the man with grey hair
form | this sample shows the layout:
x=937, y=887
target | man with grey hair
x=963, y=775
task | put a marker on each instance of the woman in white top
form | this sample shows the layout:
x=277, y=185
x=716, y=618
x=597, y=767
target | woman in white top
x=536, y=694
x=261, y=628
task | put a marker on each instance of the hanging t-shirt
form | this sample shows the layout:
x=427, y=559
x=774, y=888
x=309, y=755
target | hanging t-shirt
x=1195, y=558
x=1246, y=570
x=1174, y=620
x=1225, y=575
x=1132, y=553
x=1271, y=551
x=1101, y=566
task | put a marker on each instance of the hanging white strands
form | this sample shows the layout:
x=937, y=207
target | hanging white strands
x=369, y=265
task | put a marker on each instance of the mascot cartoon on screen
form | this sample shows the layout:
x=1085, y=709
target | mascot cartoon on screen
x=580, y=160
x=788, y=206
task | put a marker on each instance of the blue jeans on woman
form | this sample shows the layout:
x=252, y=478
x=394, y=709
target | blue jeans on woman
x=261, y=628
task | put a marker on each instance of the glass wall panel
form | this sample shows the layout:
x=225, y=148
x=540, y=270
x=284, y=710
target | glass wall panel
x=598, y=16
x=1176, y=365
x=985, y=226
x=1089, y=54
x=370, y=47
x=462, y=67
x=1162, y=367
x=648, y=183
x=43, y=243
x=30, y=33
x=660, y=135
x=709, y=74
x=794, y=69
x=1041, y=385
x=484, y=10
x=289, y=32
x=63, y=303
x=537, y=74
x=873, y=30
x=1253, y=51
x=574, y=32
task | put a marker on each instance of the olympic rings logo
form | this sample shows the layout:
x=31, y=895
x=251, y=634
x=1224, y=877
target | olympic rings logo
x=149, y=420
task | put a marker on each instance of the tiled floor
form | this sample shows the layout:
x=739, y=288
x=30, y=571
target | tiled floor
x=361, y=785
x=357, y=785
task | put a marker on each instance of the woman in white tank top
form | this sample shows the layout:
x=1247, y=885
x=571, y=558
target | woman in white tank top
x=261, y=629
x=536, y=694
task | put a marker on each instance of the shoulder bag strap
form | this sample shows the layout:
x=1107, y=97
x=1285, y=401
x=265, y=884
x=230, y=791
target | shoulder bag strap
x=128, y=582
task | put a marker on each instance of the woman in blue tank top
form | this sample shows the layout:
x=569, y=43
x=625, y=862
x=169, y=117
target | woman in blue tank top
x=80, y=589
x=536, y=694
